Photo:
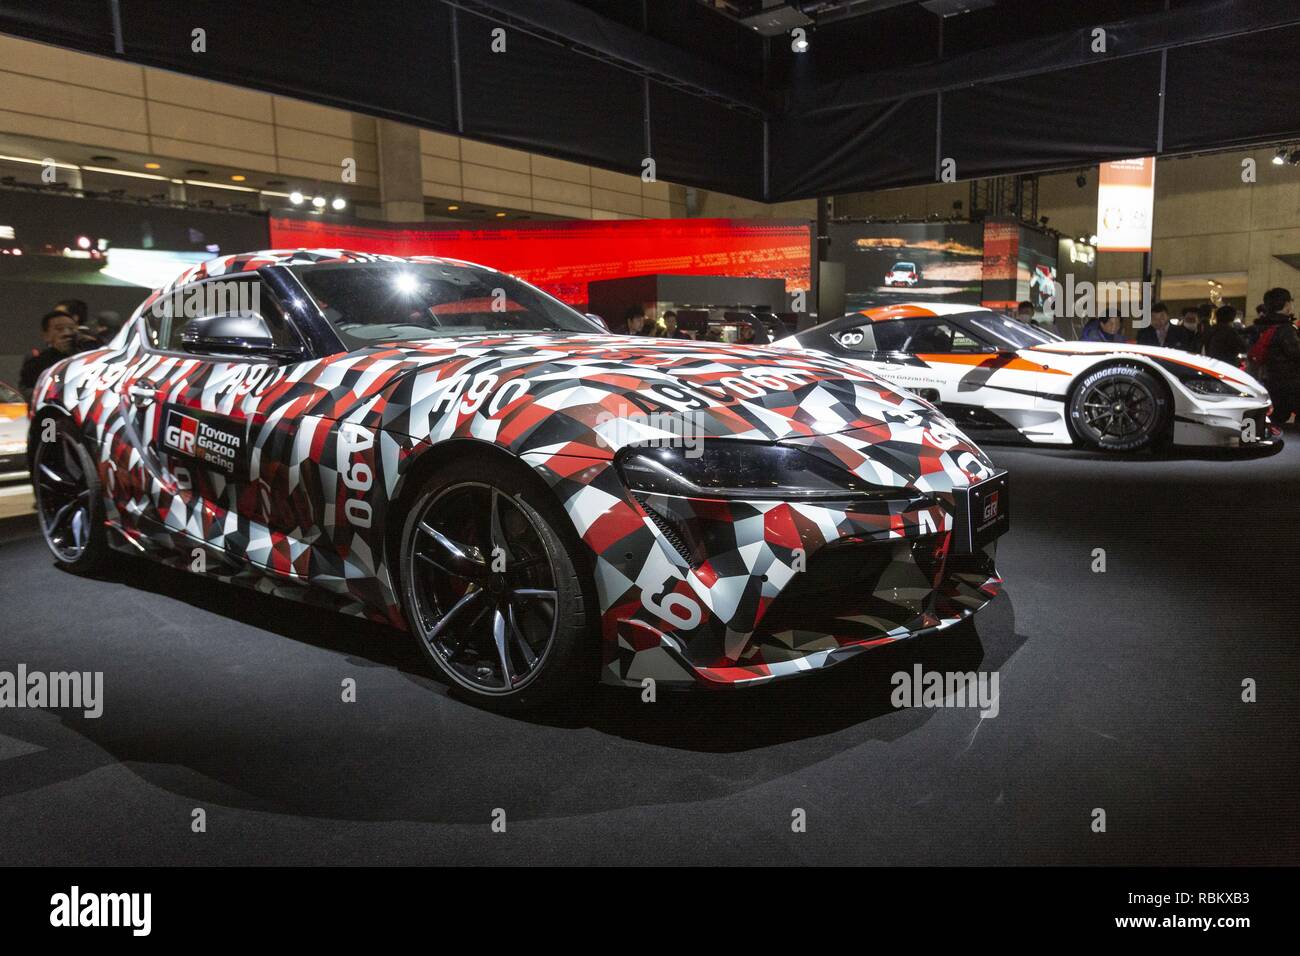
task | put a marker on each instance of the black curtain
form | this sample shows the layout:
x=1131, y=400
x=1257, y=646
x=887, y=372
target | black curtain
x=388, y=59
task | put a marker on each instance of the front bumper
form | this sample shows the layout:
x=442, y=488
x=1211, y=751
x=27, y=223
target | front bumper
x=710, y=592
x=1233, y=423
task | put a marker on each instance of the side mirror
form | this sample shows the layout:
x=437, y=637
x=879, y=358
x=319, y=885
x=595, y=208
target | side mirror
x=234, y=333
x=598, y=320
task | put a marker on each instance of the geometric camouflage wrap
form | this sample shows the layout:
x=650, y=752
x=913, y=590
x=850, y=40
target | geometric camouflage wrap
x=691, y=590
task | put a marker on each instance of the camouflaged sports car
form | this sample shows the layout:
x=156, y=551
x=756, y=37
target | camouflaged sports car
x=445, y=448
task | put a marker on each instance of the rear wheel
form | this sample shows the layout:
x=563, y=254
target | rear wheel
x=1119, y=408
x=69, y=499
x=492, y=591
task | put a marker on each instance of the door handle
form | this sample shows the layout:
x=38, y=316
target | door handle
x=142, y=394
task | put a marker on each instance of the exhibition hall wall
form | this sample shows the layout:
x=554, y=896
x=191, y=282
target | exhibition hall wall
x=562, y=257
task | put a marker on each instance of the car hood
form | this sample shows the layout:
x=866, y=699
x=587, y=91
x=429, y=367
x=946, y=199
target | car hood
x=592, y=395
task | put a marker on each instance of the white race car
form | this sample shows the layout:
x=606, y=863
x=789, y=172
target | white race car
x=993, y=374
x=903, y=273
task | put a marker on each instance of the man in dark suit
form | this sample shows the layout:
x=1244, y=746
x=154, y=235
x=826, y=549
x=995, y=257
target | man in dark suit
x=1161, y=333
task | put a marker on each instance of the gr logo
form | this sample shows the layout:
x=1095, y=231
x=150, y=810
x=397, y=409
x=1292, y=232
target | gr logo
x=991, y=507
x=179, y=432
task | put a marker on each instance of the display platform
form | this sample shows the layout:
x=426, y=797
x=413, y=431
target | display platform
x=1119, y=690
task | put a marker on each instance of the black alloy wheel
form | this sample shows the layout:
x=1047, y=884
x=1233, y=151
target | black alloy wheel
x=492, y=593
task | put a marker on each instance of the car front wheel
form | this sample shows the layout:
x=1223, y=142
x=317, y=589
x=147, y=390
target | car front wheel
x=1119, y=408
x=492, y=591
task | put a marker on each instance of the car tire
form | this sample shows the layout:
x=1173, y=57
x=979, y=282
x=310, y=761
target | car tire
x=452, y=502
x=69, y=498
x=1119, y=408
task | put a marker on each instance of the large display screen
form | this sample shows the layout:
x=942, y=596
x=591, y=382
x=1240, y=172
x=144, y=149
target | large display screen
x=1036, y=265
x=906, y=262
x=107, y=253
x=562, y=257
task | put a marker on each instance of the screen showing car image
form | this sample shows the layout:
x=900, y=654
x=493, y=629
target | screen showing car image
x=903, y=262
x=1036, y=272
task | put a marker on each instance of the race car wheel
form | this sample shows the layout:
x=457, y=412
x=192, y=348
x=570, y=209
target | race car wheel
x=492, y=591
x=69, y=498
x=1119, y=408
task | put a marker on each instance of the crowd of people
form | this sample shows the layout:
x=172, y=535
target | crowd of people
x=1269, y=348
x=636, y=322
x=66, y=330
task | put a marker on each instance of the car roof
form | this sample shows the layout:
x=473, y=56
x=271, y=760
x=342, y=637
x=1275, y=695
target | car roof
x=900, y=310
x=252, y=261
x=914, y=310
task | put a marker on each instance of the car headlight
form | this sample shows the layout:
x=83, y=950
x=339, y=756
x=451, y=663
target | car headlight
x=718, y=468
x=1208, y=385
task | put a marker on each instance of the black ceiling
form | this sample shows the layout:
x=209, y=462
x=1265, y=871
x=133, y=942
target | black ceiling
x=886, y=90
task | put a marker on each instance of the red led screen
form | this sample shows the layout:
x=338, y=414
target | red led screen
x=562, y=257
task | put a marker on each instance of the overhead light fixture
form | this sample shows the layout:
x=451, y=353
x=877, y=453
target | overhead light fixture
x=501, y=215
x=38, y=162
x=238, y=177
x=1092, y=240
x=452, y=208
x=318, y=202
x=296, y=197
x=120, y=172
x=211, y=185
x=339, y=202
x=800, y=45
x=1279, y=158
x=153, y=166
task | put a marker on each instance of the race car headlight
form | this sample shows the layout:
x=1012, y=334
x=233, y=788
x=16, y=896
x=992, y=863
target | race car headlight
x=718, y=468
x=1206, y=385
x=1194, y=380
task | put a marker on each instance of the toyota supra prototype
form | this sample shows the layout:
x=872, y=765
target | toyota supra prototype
x=442, y=447
x=1005, y=379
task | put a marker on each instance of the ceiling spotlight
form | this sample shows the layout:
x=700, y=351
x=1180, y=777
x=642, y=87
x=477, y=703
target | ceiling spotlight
x=153, y=166
x=501, y=215
x=452, y=208
x=1092, y=240
x=318, y=202
x=800, y=45
x=296, y=197
x=339, y=202
x=238, y=177
x=1279, y=158
x=83, y=242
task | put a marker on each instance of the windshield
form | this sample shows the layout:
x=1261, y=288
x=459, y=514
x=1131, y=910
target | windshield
x=399, y=301
x=1005, y=331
